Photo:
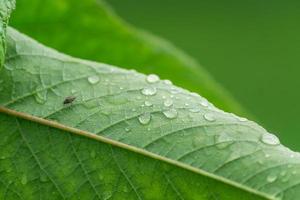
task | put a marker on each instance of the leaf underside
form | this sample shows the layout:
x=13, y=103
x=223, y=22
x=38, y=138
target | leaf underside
x=98, y=34
x=131, y=108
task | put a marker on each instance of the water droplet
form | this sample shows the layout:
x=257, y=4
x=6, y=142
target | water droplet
x=271, y=178
x=145, y=118
x=41, y=96
x=93, y=154
x=168, y=102
x=24, y=179
x=260, y=162
x=148, y=103
x=93, y=79
x=270, y=139
x=149, y=91
x=186, y=104
x=168, y=82
x=242, y=119
x=223, y=140
x=283, y=173
x=204, y=103
x=171, y=113
x=127, y=129
x=209, y=117
x=152, y=78
x=267, y=155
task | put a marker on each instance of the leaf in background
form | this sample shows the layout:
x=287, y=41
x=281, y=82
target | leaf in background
x=204, y=152
x=6, y=7
x=89, y=29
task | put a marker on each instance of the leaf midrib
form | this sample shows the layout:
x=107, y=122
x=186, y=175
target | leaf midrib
x=127, y=147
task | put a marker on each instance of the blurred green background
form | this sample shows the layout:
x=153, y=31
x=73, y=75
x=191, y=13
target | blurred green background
x=251, y=47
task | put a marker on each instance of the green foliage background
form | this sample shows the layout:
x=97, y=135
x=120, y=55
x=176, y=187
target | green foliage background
x=250, y=47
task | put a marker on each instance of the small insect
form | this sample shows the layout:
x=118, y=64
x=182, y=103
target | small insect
x=69, y=100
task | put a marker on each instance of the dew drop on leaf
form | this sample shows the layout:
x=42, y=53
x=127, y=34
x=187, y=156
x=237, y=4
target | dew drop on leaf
x=145, y=118
x=270, y=139
x=267, y=155
x=204, y=103
x=282, y=173
x=209, y=117
x=41, y=97
x=242, y=119
x=127, y=129
x=168, y=102
x=148, y=103
x=271, y=178
x=168, y=82
x=223, y=140
x=152, y=78
x=171, y=113
x=149, y=91
x=93, y=79
x=24, y=179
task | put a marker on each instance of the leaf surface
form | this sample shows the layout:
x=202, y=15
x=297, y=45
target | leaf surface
x=204, y=153
x=98, y=34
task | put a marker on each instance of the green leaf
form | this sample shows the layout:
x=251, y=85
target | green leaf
x=38, y=161
x=157, y=141
x=6, y=7
x=89, y=29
